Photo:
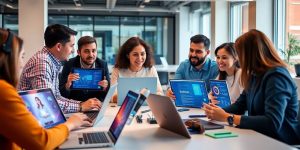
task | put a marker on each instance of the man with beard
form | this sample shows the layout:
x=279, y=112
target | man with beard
x=198, y=66
x=86, y=58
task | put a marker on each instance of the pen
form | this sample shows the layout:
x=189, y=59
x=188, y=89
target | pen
x=197, y=116
x=222, y=133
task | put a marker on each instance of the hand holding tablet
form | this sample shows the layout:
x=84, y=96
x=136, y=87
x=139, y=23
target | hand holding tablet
x=88, y=79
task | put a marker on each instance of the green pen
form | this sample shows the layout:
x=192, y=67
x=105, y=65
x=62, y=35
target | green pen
x=222, y=133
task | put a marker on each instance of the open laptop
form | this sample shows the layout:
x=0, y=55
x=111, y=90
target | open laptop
x=135, y=84
x=168, y=118
x=189, y=93
x=103, y=138
x=43, y=105
x=96, y=116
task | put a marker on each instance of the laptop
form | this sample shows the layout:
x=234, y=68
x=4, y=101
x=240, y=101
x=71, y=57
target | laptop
x=220, y=90
x=135, y=84
x=88, y=80
x=96, y=116
x=103, y=138
x=168, y=118
x=44, y=107
x=189, y=93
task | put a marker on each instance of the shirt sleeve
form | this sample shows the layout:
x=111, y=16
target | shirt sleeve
x=63, y=79
x=19, y=125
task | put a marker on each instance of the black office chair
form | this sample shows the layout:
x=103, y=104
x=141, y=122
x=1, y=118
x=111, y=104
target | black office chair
x=163, y=77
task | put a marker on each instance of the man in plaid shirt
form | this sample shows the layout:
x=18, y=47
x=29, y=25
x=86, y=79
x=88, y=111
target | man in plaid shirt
x=41, y=71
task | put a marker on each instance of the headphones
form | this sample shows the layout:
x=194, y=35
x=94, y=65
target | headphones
x=6, y=46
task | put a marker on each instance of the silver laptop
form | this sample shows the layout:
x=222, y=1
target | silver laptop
x=103, y=138
x=97, y=116
x=166, y=114
x=135, y=84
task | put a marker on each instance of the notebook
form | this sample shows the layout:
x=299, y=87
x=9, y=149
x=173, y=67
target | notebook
x=108, y=138
x=220, y=91
x=44, y=107
x=189, y=93
x=88, y=79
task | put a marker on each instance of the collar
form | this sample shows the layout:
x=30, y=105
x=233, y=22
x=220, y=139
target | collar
x=82, y=65
x=52, y=57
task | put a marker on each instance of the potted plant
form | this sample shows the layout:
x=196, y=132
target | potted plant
x=293, y=49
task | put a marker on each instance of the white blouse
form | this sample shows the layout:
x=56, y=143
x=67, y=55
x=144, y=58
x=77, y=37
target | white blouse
x=144, y=72
x=234, y=86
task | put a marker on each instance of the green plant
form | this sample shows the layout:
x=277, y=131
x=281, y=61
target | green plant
x=292, y=49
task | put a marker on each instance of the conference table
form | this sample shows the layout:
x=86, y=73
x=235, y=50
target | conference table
x=145, y=136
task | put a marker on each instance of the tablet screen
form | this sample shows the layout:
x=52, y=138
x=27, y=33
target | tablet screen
x=189, y=93
x=220, y=91
x=88, y=79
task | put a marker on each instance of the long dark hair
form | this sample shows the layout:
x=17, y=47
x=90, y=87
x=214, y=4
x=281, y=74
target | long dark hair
x=257, y=54
x=122, y=59
x=229, y=47
x=10, y=48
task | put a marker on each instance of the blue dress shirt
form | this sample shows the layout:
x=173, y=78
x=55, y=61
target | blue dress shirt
x=208, y=71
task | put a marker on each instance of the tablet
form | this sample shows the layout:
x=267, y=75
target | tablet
x=220, y=91
x=89, y=79
x=189, y=93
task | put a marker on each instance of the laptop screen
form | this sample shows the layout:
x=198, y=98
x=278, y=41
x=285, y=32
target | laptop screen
x=135, y=84
x=189, y=93
x=123, y=114
x=88, y=79
x=43, y=105
x=220, y=91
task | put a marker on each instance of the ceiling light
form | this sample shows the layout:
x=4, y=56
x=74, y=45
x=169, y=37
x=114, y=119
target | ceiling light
x=146, y=1
x=142, y=6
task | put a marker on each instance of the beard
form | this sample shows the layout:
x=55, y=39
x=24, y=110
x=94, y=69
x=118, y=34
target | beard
x=87, y=60
x=198, y=62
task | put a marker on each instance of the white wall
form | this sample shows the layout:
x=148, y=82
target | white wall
x=33, y=17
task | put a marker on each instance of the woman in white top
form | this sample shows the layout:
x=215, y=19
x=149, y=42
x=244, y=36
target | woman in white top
x=135, y=59
x=229, y=67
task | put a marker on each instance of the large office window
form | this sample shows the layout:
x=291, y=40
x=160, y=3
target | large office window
x=279, y=26
x=106, y=32
x=131, y=26
x=238, y=19
x=58, y=19
x=11, y=22
x=83, y=25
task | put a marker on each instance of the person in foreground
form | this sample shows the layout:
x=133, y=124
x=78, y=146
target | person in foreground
x=18, y=128
x=269, y=95
x=229, y=70
x=134, y=59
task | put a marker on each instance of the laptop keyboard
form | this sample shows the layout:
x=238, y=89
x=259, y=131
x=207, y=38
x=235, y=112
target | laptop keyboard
x=93, y=138
x=92, y=115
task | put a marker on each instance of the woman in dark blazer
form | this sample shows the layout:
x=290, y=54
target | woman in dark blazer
x=270, y=94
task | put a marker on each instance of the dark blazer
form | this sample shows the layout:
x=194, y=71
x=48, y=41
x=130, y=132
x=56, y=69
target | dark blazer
x=272, y=105
x=81, y=95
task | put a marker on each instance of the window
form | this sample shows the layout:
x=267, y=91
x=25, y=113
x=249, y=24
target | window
x=11, y=22
x=58, y=20
x=238, y=19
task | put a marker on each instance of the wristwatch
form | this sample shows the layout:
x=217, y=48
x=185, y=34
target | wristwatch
x=230, y=120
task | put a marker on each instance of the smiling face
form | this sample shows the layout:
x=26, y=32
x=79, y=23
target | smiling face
x=225, y=61
x=197, y=54
x=137, y=58
x=88, y=53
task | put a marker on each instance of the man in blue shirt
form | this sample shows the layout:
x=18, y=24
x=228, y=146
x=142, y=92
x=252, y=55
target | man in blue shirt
x=198, y=66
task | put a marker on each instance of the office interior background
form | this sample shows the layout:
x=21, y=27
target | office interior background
x=166, y=25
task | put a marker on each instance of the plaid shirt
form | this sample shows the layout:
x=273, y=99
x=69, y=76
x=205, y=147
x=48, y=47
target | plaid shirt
x=41, y=71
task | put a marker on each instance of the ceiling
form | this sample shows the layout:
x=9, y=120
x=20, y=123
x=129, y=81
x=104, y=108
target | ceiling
x=155, y=6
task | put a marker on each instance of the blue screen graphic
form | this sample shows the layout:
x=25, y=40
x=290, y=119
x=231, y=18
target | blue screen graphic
x=88, y=79
x=189, y=93
x=220, y=91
